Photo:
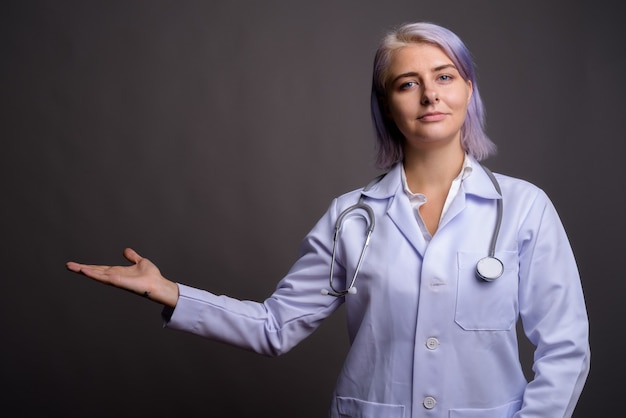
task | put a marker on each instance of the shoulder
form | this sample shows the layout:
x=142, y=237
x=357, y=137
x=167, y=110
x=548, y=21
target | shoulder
x=526, y=197
x=517, y=186
x=347, y=199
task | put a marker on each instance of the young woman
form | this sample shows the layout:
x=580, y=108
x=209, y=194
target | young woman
x=456, y=256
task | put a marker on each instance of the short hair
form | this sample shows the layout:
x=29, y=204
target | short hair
x=389, y=139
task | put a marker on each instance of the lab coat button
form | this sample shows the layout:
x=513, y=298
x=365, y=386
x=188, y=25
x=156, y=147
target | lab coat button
x=429, y=402
x=432, y=343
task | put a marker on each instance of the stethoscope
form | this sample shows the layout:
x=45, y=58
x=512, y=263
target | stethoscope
x=488, y=268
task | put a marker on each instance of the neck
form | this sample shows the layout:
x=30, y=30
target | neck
x=434, y=169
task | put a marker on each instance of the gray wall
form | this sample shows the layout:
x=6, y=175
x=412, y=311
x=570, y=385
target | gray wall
x=210, y=136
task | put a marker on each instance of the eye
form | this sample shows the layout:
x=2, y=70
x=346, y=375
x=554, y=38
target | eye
x=445, y=77
x=408, y=85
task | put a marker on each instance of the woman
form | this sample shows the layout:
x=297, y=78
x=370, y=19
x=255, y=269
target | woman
x=429, y=335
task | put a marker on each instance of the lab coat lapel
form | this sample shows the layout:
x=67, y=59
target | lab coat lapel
x=457, y=205
x=398, y=207
x=477, y=184
x=401, y=214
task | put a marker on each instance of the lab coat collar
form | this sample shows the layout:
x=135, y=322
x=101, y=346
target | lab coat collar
x=389, y=186
x=398, y=207
x=386, y=185
x=479, y=184
x=390, y=183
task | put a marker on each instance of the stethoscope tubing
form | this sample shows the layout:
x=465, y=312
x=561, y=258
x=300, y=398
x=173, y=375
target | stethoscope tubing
x=488, y=268
x=499, y=210
x=371, y=221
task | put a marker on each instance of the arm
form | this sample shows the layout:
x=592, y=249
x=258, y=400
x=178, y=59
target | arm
x=142, y=278
x=553, y=314
x=272, y=327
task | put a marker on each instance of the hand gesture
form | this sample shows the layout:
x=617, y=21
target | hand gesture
x=142, y=278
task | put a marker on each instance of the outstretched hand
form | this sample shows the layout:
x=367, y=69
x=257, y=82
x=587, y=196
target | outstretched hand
x=142, y=277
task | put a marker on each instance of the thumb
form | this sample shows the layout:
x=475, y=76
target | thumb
x=132, y=256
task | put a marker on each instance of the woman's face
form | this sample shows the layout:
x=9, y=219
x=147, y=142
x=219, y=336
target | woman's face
x=426, y=96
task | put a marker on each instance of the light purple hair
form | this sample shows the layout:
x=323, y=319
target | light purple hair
x=389, y=140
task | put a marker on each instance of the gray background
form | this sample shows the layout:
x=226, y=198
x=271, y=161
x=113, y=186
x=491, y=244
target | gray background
x=210, y=136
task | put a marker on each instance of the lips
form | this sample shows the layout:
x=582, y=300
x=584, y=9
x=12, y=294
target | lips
x=432, y=117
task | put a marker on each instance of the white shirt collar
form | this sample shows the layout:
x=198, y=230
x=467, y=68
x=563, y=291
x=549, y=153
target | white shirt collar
x=418, y=199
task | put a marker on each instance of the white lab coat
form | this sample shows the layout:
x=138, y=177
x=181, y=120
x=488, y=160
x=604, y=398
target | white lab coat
x=428, y=339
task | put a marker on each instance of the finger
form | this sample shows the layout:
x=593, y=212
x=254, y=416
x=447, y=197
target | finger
x=132, y=255
x=118, y=276
x=81, y=268
x=72, y=266
x=108, y=275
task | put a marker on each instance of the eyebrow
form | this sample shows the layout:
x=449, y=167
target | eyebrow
x=413, y=73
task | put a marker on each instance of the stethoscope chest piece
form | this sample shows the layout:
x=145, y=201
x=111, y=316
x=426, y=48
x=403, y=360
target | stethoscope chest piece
x=489, y=268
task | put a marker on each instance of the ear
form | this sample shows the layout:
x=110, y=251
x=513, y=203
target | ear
x=470, y=90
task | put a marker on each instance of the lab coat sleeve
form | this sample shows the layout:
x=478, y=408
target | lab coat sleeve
x=274, y=326
x=553, y=314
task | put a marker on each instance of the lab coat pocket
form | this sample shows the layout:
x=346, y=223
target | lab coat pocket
x=482, y=305
x=503, y=411
x=357, y=408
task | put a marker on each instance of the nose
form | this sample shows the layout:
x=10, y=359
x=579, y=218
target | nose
x=429, y=96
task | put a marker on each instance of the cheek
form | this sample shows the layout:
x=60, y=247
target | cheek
x=459, y=102
x=465, y=97
x=400, y=109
